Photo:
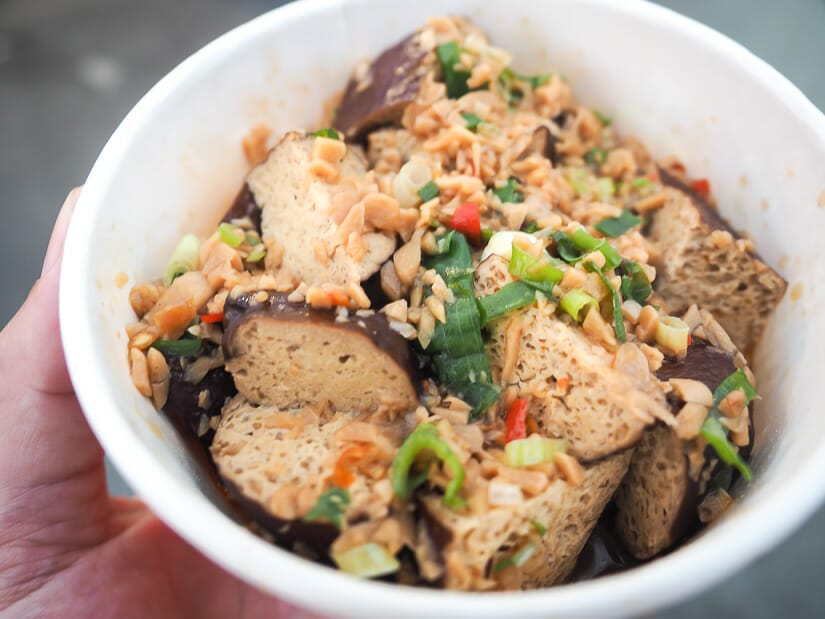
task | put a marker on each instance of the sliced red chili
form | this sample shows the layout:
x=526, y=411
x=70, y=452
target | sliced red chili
x=516, y=424
x=701, y=186
x=467, y=220
x=210, y=318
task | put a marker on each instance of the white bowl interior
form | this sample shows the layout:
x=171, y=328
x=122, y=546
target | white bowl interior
x=175, y=164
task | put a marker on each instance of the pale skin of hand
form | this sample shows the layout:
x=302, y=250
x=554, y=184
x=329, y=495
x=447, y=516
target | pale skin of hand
x=67, y=548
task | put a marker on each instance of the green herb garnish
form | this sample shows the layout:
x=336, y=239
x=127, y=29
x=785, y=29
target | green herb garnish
x=486, y=235
x=231, y=235
x=184, y=259
x=715, y=433
x=330, y=506
x=535, y=272
x=428, y=191
x=473, y=120
x=539, y=527
x=595, y=156
x=635, y=284
x=449, y=55
x=326, y=132
x=577, y=303
x=509, y=192
x=531, y=227
x=518, y=559
x=185, y=347
x=604, y=119
x=640, y=183
x=425, y=438
x=618, y=318
x=617, y=226
x=511, y=297
x=573, y=247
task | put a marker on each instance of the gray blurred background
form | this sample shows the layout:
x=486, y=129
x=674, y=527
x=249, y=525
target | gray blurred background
x=71, y=69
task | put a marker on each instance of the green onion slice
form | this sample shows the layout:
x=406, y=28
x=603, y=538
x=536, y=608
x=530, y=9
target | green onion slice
x=715, y=433
x=330, y=506
x=595, y=156
x=635, y=284
x=518, y=559
x=603, y=118
x=533, y=450
x=509, y=193
x=486, y=235
x=184, y=259
x=618, y=317
x=257, y=255
x=640, y=183
x=536, y=273
x=539, y=527
x=231, y=235
x=449, y=55
x=429, y=191
x=577, y=303
x=326, y=132
x=366, y=561
x=511, y=297
x=530, y=227
x=184, y=347
x=617, y=226
x=573, y=247
x=472, y=120
x=425, y=438
x=606, y=188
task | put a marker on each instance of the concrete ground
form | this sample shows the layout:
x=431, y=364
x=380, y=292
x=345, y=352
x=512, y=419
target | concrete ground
x=71, y=69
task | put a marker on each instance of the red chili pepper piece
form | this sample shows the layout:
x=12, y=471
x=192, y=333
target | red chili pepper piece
x=516, y=424
x=210, y=318
x=701, y=186
x=466, y=220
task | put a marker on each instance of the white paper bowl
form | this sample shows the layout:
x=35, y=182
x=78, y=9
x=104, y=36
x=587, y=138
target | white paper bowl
x=175, y=162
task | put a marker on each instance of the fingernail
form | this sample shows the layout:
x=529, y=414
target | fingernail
x=54, y=252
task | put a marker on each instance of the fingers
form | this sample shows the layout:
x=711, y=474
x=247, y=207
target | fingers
x=54, y=253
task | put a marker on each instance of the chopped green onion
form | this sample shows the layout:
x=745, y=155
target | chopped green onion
x=428, y=191
x=326, y=132
x=330, y=506
x=231, y=235
x=595, y=156
x=425, y=438
x=184, y=259
x=606, y=188
x=618, y=317
x=617, y=226
x=640, y=183
x=534, y=80
x=585, y=241
x=635, y=284
x=539, y=527
x=473, y=120
x=184, y=347
x=252, y=239
x=511, y=297
x=369, y=560
x=509, y=193
x=672, y=335
x=715, y=433
x=519, y=558
x=578, y=181
x=458, y=342
x=449, y=55
x=486, y=235
x=257, y=255
x=605, y=120
x=523, y=452
x=566, y=248
x=575, y=301
x=530, y=227
x=536, y=273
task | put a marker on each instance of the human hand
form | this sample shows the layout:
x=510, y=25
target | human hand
x=67, y=548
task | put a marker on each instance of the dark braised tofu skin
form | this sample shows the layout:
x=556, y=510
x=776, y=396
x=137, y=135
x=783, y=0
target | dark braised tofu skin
x=703, y=261
x=378, y=92
x=288, y=354
x=673, y=470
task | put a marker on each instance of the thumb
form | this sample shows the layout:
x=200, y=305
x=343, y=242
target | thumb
x=45, y=436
